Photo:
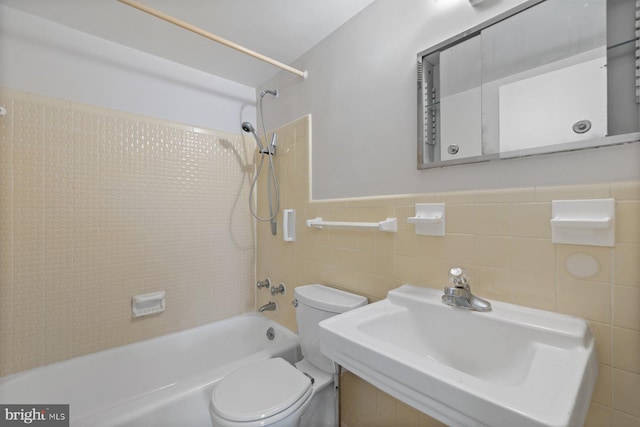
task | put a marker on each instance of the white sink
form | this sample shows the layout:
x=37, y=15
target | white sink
x=512, y=366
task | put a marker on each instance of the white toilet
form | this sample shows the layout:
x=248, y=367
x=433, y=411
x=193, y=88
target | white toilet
x=273, y=392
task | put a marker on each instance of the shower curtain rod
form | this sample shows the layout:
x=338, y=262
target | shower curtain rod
x=213, y=37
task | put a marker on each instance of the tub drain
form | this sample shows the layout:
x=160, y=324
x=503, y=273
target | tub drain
x=271, y=334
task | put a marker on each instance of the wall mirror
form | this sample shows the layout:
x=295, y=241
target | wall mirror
x=547, y=76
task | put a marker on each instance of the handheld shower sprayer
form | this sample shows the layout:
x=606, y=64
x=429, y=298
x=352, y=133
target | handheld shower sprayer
x=248, y=127
x=272, y=183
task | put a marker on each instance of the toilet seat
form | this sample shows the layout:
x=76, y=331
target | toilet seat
x=271, y=388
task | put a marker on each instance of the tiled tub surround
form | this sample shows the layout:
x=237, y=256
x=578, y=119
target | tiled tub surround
x=97, y=206
x=502, y=237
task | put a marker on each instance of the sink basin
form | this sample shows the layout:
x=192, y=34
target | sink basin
x=512, y=366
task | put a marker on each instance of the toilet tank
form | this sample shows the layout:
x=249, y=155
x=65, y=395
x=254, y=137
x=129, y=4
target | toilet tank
x=316, y=303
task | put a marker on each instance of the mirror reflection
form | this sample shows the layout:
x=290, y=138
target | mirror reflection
x=532, y=81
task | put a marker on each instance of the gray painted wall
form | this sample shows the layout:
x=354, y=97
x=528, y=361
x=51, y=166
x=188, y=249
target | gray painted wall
x=46, y=58
x=361, y=93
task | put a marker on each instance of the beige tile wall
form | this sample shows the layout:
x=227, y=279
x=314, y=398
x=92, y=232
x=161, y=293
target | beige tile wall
x=502, y=237
x=97, y=206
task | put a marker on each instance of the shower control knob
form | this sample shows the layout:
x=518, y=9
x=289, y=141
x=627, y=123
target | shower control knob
x=266, y=283
x=278, y=290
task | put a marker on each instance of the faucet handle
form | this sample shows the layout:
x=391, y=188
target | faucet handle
x=264, y=283
x=458, y=277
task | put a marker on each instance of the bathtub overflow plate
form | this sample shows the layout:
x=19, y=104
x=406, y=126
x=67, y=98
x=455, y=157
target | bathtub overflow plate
x=271, y=334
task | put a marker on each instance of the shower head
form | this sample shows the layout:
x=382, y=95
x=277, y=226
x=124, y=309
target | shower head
x=248, y=127
x=273, y=92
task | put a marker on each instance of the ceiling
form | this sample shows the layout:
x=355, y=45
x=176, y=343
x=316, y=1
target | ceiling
x=281, y=29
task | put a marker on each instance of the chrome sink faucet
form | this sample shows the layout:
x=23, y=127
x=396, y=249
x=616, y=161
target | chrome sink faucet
x=459, y=295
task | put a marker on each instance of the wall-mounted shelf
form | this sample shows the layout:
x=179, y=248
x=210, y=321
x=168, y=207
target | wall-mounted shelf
x=390, y=225
x=144, y=305
x=429, y=219
x=604, y=222
x=583, y=222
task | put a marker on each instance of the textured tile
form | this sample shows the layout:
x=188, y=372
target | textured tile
x=425, y=420
x=406, y=269
x=602, y=333
x=626, y=392
x=531, y=220
x=386, y=407
x=459, y=249
x=604, y=386
x=464, y=197
x=492, y=219
x=595, y=191
x=621, y=419
x=366, y=403
x=406, y=415
x=492, y=283
x=102, y=205
x=598, y=416
x=627, y=265
x=626, y=301
x=534, y=291
x=492, y=251
x=6, y=235
x=590, y=300
x=516, y=195
x=627, y=223
x=626, y=190
x=460, y=218
x=626, y=349
x=535, y=256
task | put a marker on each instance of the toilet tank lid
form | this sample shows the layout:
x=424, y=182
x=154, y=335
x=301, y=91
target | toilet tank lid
x=328, y=299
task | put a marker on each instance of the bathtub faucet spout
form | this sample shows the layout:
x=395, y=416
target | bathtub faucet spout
x=270, y=306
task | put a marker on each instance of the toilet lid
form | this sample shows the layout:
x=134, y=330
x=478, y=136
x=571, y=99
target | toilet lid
x=259, y=390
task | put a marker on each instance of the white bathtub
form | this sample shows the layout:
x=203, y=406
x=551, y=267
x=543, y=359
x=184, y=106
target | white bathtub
x=165, y=381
